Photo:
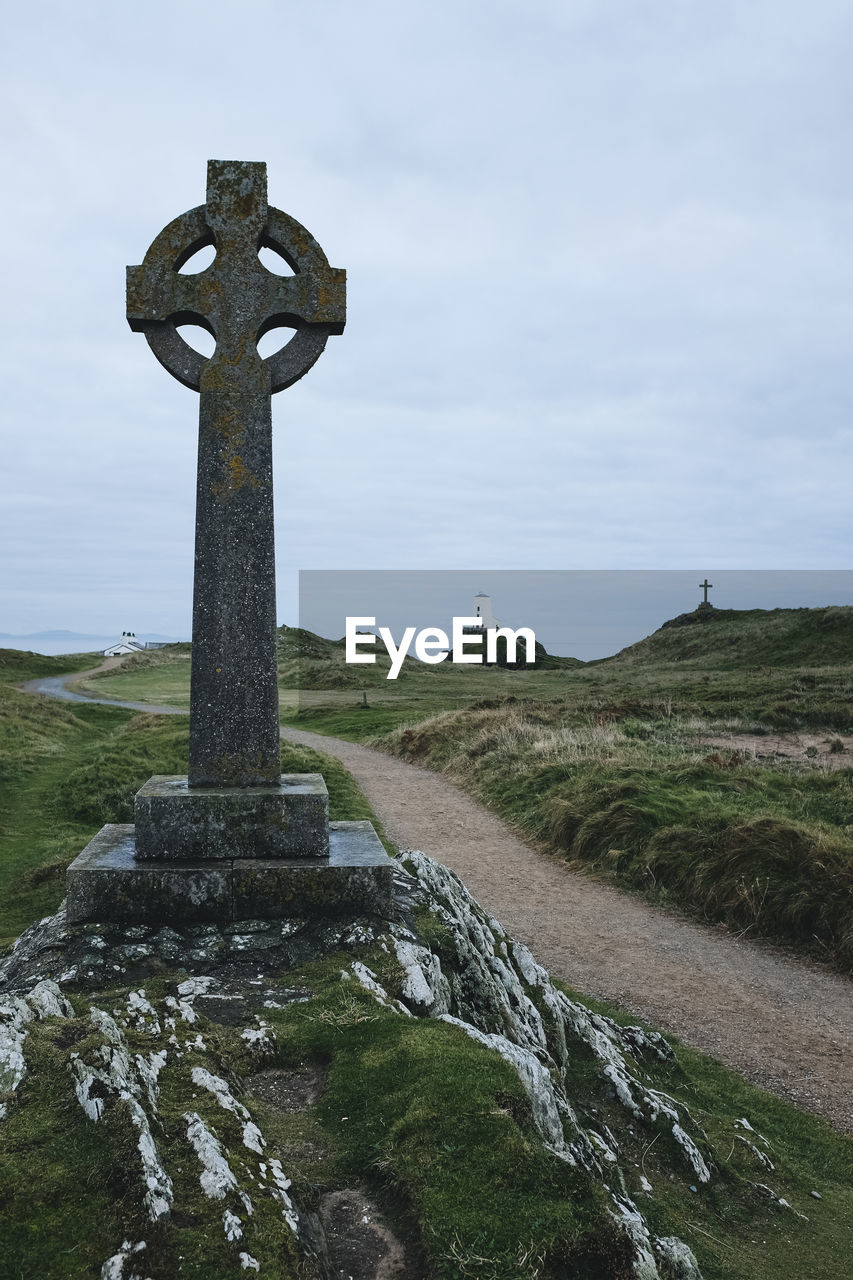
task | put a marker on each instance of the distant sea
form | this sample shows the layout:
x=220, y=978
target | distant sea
x=59, y=642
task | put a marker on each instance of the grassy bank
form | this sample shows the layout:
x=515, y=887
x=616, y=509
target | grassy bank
x=651, y=805
x=41, y=742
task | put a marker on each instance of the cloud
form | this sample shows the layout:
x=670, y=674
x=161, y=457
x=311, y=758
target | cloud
x=599, y=287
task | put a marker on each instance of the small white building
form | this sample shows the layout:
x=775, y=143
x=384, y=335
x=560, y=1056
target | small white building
x=483, y=610
x=127, y=644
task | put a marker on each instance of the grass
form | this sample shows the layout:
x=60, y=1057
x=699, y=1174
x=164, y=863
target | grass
x=439, y=1130
x=768, y=850
x=41, y=742
x=724, y=639
x=437, y=1127
x=62, y=1179
x=730, y=1239
x=168, y=668
x=444, y=1129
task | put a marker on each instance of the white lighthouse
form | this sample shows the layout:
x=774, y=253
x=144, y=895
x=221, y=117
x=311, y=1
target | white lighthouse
x=483, y=610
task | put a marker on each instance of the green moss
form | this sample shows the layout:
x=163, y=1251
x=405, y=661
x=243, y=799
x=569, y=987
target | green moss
x=446, y=1129
x=66, y=1190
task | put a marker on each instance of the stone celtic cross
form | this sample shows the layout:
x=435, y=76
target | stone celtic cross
x=234, y=729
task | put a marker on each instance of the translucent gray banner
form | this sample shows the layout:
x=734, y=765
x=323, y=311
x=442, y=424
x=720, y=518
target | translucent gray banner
x=584, y=614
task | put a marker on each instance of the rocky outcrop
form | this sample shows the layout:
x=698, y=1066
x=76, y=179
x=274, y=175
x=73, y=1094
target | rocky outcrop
x=469, y=974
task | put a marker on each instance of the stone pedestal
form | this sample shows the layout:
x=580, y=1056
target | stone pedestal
x=109, y=882
x=177, y=822
x=220, y=855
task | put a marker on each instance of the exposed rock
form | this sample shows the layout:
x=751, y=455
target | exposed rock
x=112, y=1074
x=44, y=1000
x=216, y=1177
x=474, y=978
x=115, y=1267
x=675, y=1259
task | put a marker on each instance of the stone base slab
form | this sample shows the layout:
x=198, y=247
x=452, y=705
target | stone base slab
x=108, y=882
x=179, y=823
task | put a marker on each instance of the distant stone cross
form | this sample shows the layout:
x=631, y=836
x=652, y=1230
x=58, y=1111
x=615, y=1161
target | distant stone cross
x=705, y=585
x=234, y=730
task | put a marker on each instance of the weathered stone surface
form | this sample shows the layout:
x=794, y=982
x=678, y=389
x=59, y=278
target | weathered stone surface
x=288, y=819
x=234, y=694
x=109, y=884
x=358, y=878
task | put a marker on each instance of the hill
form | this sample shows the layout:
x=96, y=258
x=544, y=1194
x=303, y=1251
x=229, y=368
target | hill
x=727, y=638
x=21, y=664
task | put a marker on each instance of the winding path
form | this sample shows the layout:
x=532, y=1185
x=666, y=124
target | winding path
x=58, y=687
x=783, y=1022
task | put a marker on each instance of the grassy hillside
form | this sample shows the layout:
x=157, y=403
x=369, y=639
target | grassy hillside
x=722, y=639
x=436, y=1126
x=66, y=768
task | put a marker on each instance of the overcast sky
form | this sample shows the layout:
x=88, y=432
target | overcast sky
x=600, y=287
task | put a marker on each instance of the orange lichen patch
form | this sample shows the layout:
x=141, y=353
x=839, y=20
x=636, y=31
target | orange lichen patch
x=232, y=426
x=241, y=351
x=239, y=476
x=209, y=286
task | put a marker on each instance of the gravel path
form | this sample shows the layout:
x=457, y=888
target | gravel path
x=784, y=1023
x=62, y=687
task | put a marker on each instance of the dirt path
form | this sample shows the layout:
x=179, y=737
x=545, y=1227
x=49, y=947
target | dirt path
x=65, y=688
x=807, y=751
x=782, y=1022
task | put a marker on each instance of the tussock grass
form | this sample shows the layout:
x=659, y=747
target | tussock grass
x=646, y=802
x=102, y=789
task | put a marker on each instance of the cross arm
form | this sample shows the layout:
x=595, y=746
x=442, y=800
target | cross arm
x=313, y=297
x=156, y=290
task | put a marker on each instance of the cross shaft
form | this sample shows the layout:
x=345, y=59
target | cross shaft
x=234, y=729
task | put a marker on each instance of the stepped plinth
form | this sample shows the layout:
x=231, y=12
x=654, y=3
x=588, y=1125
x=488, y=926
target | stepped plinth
x=223, y=854
x=287, y=819
x=110, y=882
